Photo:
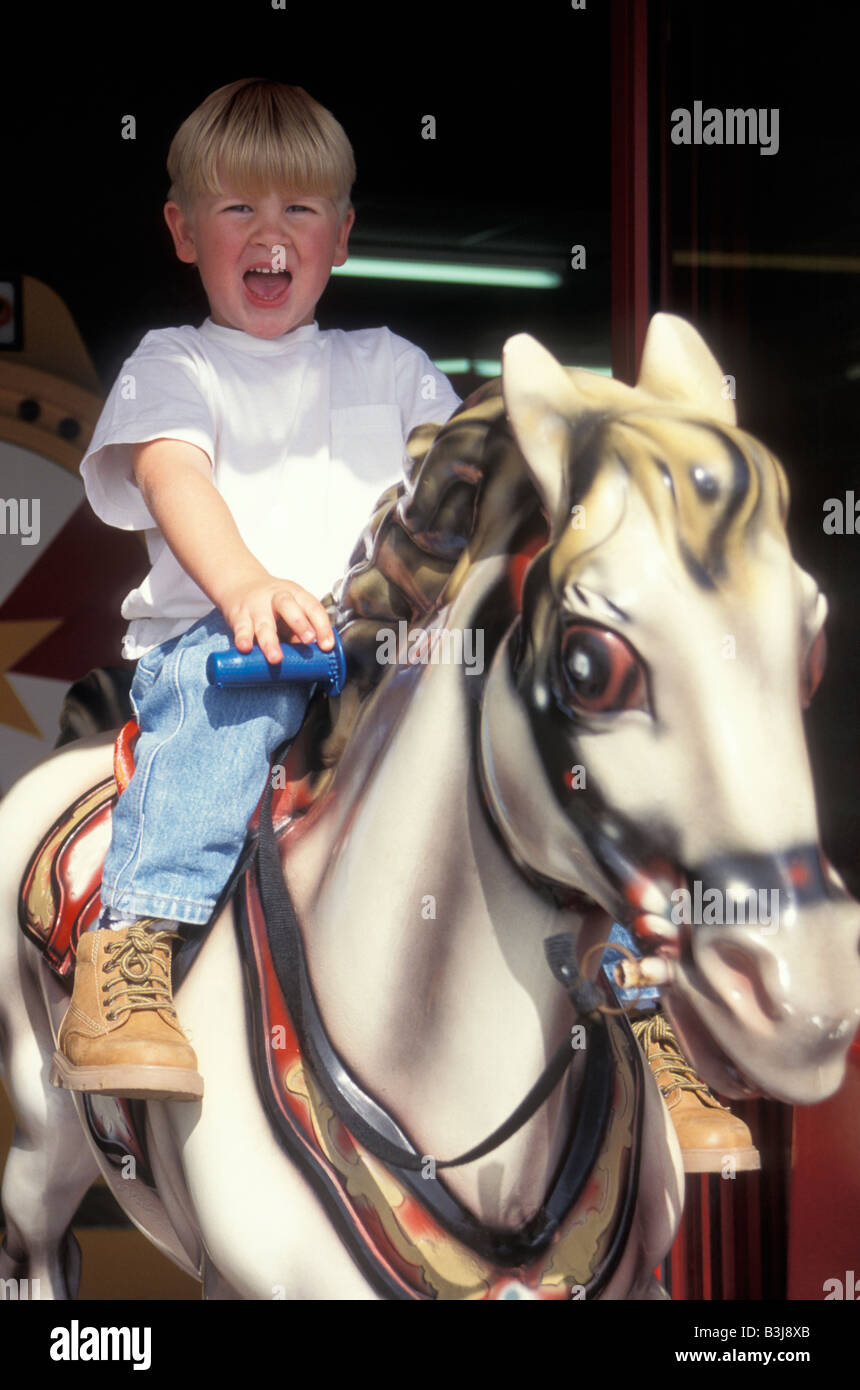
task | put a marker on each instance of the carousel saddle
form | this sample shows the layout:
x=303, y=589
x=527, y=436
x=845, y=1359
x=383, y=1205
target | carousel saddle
x=59, y=895
x=410, y=1235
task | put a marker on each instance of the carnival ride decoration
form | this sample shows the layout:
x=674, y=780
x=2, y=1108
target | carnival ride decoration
x=417, y=922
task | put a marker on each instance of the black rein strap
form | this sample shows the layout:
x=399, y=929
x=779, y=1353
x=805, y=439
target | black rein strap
x=391, y=1146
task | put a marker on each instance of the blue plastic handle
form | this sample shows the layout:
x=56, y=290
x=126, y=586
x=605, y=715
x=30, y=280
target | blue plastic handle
x=299, y=662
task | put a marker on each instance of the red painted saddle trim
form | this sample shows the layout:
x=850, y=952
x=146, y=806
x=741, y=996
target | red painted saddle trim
x=123, y=755
x=282, y=1057
x=59, y=896
x=400, y=1242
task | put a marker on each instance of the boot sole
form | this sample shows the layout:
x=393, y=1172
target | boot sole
x=713, y=1160
x=129, y=1082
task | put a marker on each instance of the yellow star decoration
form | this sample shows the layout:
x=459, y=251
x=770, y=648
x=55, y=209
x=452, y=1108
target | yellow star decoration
x=16, y=640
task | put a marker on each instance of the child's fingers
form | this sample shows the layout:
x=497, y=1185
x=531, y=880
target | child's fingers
x=313, y=624
x=268, y=640
x=318, y=618
x=288, y=607
x=258, y=615
x=243, y=635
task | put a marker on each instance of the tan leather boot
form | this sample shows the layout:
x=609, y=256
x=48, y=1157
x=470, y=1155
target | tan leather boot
x=121, y=1036
x=708, y=1133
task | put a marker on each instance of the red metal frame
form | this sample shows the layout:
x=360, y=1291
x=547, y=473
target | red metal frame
x=824, y=1220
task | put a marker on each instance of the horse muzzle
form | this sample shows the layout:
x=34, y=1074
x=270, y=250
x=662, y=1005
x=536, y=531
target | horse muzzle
x=772, y=1006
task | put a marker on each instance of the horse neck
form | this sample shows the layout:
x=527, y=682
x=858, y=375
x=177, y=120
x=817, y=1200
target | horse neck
x=407, y=894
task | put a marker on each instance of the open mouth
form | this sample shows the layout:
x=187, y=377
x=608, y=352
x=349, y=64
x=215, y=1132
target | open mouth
x=267, y=288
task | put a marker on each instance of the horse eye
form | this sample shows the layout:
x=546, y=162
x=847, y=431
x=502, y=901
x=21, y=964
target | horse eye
x=813, y=669
x=602, y=673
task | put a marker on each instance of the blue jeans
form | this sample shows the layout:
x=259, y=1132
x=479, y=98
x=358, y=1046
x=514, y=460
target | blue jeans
x=201, y=764
x=645, y=998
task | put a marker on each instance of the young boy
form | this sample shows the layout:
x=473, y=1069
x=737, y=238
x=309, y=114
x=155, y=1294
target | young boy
x=248, y=449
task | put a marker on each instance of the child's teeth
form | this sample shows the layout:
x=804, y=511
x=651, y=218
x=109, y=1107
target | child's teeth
x=269, y=274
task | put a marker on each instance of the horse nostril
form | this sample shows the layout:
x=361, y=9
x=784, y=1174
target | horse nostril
x=745, y=977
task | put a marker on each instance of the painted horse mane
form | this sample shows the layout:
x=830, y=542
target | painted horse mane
x=526, y=452
x=421, y=541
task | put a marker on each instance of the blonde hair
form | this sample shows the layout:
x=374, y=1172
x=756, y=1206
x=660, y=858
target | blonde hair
x=256, y=135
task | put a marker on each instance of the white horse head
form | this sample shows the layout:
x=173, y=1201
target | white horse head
x=667, y=645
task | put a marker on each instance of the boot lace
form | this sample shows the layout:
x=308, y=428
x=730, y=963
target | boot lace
x=651, y=1032
x=141, y=970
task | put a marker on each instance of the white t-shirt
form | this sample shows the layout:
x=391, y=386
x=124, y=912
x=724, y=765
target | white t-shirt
x=304, y=432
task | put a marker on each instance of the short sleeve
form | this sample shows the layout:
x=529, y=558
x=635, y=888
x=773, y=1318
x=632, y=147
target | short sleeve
x=425, y=394
x=159, y=393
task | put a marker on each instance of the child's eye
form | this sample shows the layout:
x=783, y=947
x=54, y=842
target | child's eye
x=246, y=207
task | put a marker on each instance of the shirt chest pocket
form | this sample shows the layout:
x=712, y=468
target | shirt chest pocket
x=367, y=440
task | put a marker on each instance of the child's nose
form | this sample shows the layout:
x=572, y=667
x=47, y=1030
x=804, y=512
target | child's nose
x=275, y=246
x=272, y=233
x=272, y=227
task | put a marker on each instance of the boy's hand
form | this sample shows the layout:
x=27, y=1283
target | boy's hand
x=175, y=480
x=256, y=609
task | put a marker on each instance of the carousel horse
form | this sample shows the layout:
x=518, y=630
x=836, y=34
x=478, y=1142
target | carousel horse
x=578, y=651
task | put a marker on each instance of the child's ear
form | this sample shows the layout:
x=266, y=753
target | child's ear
x=182, y=231
x=343, y=231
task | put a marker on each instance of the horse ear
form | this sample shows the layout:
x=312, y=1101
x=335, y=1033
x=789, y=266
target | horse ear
x=677, y=364
x=540, y=401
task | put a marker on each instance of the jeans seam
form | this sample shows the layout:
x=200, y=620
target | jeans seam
x=176, y=898
x=160, y=905
x=149, y=863
x=137, y=847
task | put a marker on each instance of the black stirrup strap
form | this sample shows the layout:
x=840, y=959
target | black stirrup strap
x=366, y=1120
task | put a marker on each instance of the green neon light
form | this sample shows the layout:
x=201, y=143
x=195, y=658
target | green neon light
x=486, y=366
x=449, y=273
x=450, y=365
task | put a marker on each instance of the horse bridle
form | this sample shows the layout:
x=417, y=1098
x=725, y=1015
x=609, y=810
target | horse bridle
x=366, y=1120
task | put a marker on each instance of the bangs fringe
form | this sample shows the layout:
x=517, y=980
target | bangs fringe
x=256, y=135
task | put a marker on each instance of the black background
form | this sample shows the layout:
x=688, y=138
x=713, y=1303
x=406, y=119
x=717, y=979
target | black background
x=520, y=168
